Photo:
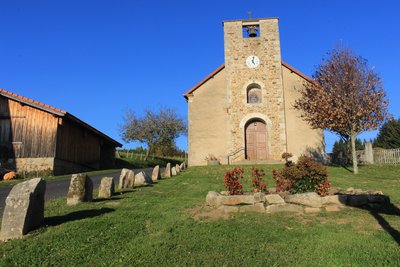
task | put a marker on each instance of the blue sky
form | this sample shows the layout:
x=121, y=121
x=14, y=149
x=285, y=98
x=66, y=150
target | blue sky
x=96, y=58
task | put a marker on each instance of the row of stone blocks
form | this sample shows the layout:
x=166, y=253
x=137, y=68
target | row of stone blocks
x=305, y=202
x=24, y=208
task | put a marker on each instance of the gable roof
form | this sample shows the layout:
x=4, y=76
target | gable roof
x=212, y=74
x=54, y=111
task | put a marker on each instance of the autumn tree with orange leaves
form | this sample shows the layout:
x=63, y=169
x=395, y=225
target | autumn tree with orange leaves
x=345, y=97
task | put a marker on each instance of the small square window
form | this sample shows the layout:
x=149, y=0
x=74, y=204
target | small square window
x=251, y=31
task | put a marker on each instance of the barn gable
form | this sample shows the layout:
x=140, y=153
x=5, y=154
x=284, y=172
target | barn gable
x=36, y=136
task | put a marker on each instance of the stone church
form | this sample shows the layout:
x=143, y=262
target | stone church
x=243, y=111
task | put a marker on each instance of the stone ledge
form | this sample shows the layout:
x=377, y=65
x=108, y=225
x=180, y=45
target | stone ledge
x=305, y=202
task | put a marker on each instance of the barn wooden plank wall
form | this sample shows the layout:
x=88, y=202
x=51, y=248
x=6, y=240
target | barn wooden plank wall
x=76, y=144
x=33, y=131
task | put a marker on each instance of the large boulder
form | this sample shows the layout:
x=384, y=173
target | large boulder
x=237, y=200
x=257, y=207
x=357, y=200
x=142, y=179
x=167, y=172
x=182, y=166
x=213, y=199
x=274, y=199
x=334, y=200
x=284, y=208
x=123, y=179
x=24, y=209
x=80, y=189
x=310, y=199
x=130, y=179
x=156, y=174
x=106, y=189
x=173, y=171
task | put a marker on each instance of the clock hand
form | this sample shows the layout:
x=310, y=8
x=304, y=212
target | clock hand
x=252, y=60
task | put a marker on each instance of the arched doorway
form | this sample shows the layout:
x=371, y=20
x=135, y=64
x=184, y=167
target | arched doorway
x=256, y=140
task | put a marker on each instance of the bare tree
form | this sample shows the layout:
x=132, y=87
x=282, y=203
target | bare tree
x=346, y=97
x=159, y=128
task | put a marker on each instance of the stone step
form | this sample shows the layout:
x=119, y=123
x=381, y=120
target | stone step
x=256, y=162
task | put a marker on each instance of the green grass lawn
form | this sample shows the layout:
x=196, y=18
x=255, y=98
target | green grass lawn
x=154, y=226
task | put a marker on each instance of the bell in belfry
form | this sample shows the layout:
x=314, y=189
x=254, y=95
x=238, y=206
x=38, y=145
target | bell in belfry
x=252, y=31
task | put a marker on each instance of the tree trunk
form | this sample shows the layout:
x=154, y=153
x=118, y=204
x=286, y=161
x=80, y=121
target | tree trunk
x=147, y=153
x=353, y=153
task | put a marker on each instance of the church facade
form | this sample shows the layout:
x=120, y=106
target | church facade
x=244, y=109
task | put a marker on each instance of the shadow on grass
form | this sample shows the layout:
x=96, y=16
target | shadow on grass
x=376, y=210
x=347, y=168
x=107, y=199
x=76, y=216
x=388, y=209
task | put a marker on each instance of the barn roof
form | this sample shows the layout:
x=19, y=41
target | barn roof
x=212, y=74
x=55, y=111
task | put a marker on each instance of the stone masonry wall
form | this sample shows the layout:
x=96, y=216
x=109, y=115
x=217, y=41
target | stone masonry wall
x=268, y=75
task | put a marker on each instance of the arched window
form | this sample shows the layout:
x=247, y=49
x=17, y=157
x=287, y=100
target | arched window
x=254, y=94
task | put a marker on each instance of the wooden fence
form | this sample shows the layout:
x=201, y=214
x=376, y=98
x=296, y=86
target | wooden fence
x=387, y=156
x=381, y=156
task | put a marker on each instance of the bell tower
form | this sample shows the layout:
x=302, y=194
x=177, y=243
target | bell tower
x=255, y=92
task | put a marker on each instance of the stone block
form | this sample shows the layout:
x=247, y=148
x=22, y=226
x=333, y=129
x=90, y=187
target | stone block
x=310, y=199
x=106, y=188
x=177, y=168
x=155, y=176
x=259, y=197
x=237, y=200
x=213, y=199
x=24, y=210
x=167, y=172
x=142, y=179
x=80, y=189
x=258, y=207
x=335, y=200
x=284, y=208
x=274, y=199
x=122, y=179
x=130, y=179
x=378, y=199
x=357, y=200
x=173, y=171
x=182, y=166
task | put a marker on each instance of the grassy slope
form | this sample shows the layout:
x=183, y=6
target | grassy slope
x=153, y=226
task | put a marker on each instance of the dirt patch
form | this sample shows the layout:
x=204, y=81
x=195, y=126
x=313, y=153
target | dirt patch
x=202, y=213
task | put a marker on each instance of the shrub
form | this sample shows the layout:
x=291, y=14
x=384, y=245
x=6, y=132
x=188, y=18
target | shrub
x=232, y=183
x=257, y=181
x=306, y=175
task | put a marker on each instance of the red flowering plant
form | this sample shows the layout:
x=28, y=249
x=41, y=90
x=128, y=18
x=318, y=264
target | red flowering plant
x=257, y=180
x=306, y=175
x=232, y=183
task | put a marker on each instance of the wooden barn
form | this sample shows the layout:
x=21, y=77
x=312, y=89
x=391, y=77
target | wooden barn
x=35, y=136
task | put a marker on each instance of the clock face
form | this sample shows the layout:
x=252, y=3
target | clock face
x=252, y=62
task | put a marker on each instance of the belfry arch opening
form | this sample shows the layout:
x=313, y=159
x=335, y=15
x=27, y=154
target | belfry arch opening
x=253, y=93
x=256, y=140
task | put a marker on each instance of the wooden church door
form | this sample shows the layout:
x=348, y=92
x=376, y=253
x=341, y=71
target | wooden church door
x=256, y=140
